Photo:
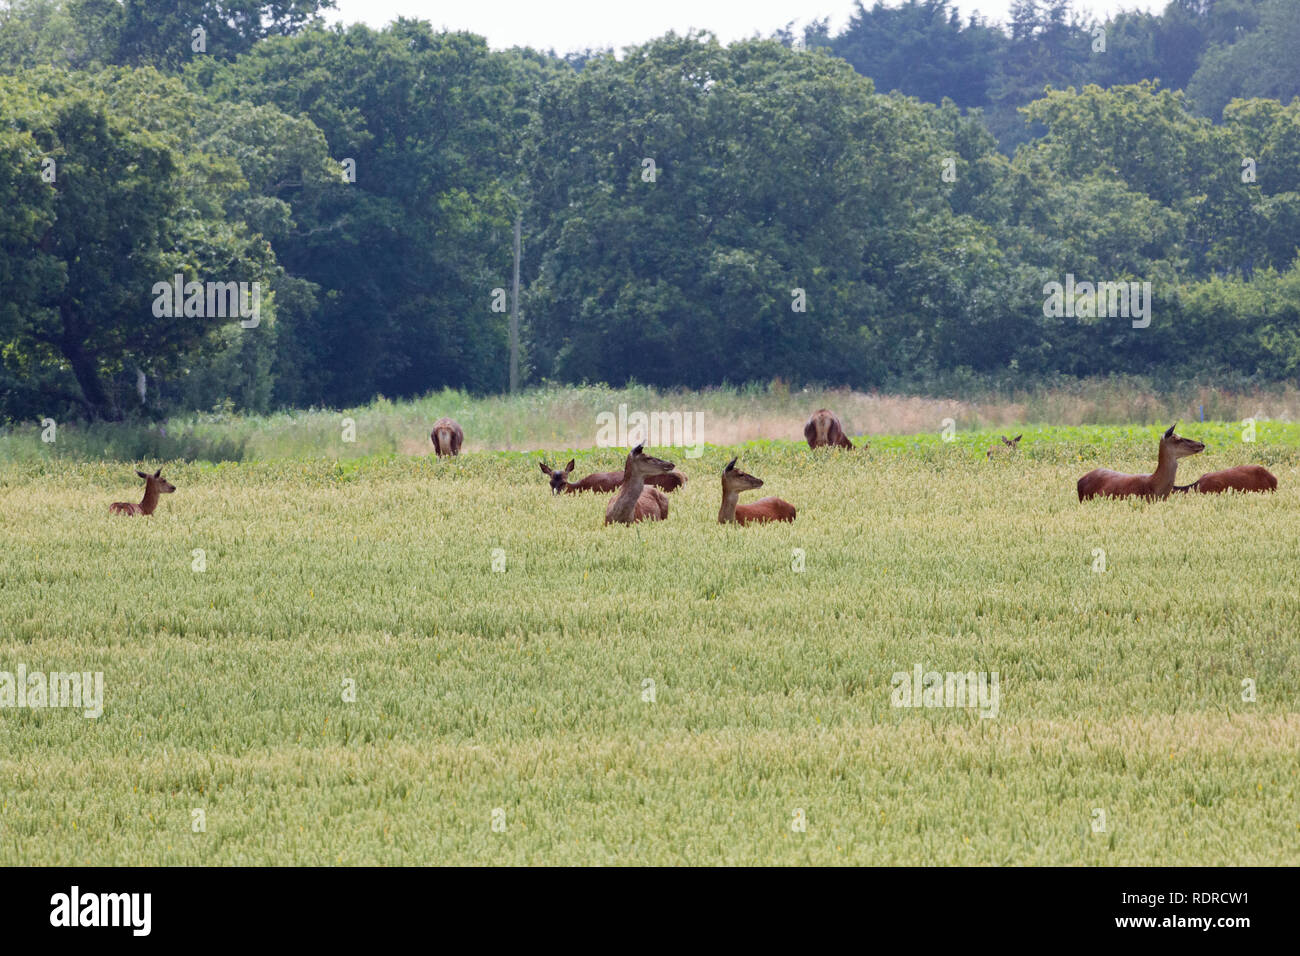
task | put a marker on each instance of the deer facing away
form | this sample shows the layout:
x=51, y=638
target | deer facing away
x=1243, y=478
x=824, y=428
x=635, y=501
x=1104, y=483
x=447, y=437
x=734, y=481
x=154, y=485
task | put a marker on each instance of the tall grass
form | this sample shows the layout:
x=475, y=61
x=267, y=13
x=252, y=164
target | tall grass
x=524, y=690
x=560, y=418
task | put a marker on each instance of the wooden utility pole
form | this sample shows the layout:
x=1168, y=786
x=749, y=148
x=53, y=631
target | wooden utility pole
x=514, y=313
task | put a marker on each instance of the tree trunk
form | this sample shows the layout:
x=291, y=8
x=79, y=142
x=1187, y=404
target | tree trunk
x=87, y=374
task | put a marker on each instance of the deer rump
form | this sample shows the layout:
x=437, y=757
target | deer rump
x=765, y=509
x=824, y=428
x=454, y=438
x=1104, y=483
x=1242, y=478
x=668, y=482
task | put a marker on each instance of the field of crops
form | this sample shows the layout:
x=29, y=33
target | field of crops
x=395, y=659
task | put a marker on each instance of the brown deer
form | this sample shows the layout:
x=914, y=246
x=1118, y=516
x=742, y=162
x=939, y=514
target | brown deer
x=1008, y=444
x=635, y=501
x=823, y=428
x=1102, y=482
x=734, y=481
x=601, y=482
x=1243, y=478
x=154, y=485
x=669, y=482
x=447, y=437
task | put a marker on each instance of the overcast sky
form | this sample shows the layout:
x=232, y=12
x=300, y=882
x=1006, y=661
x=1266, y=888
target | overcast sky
x=565, y=25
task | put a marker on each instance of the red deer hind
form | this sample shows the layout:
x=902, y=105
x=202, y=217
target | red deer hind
x=734, y=481
x=446, y=437
x=603, y=481
x=154, y=485
x=1008, y=446
x=1243, y=478
x=635, y=501
x=669, y=482
x=823, y=428
x=600, y=482
x=1102, y=482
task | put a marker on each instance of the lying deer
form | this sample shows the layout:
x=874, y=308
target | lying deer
x=823, y=428
x=1008, y=446
x=154, y=485
x=635, y=501
x=1243, y=478
x=734, y=482
x=604, y=481
x=1112, y=484
x=447, y=437
x=600, y=482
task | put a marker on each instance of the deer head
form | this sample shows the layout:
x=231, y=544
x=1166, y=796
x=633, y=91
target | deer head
x=157, y=482
x=733, y=479
x=1011, y=442
x=558, y=478
x=639, y=464
x=1178, y=446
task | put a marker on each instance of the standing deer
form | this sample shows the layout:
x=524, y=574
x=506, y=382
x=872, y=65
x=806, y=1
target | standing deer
x=1112, y=484
x=634, y=500
x=1243, y=478
x=1009, y=444
x=734, y=481
x=823, y=428
x=447, y=437
x=154, y=485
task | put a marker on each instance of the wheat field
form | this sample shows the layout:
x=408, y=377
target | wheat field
x=400, y=660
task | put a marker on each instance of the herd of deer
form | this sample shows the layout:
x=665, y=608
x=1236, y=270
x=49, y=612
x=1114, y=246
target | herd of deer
x=642, y=484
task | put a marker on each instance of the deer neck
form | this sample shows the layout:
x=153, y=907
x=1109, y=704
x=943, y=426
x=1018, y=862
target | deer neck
x=625, y=504
x=727, y=512
x=1162, y=480
x=150, y=501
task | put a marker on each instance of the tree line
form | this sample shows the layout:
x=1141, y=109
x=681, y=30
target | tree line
x=693, y=213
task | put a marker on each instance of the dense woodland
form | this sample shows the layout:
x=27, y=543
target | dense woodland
x=919, y=176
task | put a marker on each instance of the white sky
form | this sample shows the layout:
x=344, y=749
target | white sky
x=565, y=25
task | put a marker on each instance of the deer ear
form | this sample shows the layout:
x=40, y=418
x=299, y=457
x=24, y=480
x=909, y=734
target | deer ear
x=158, y=473
x=545, y=470
x=1017, y=438
x=1170, y=433
x=637, y=449
x=569, y=467
x=143, y=475
x=731, y=464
